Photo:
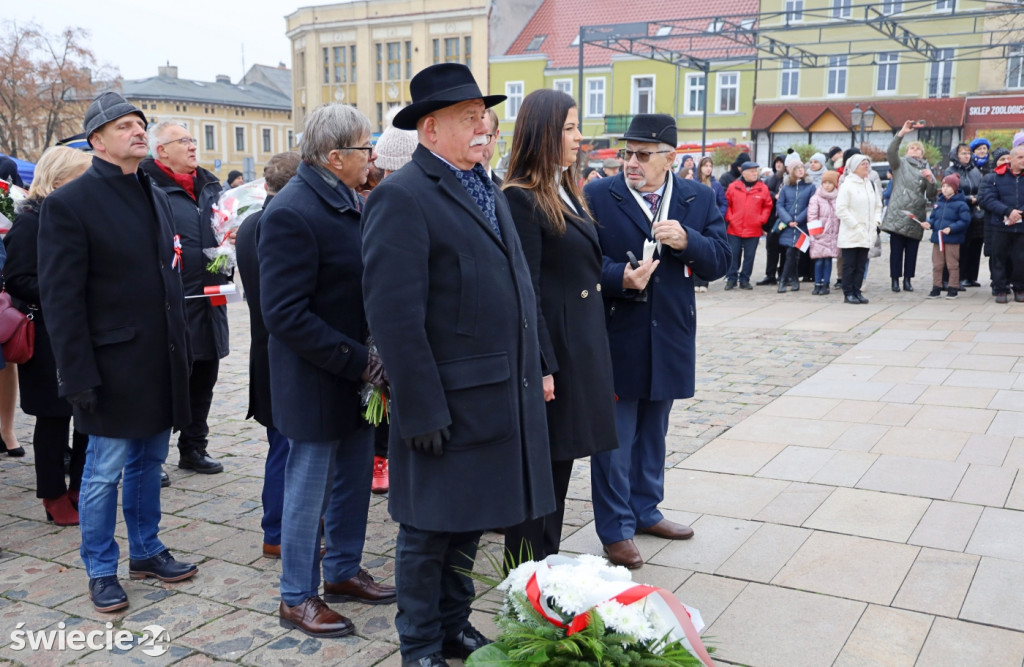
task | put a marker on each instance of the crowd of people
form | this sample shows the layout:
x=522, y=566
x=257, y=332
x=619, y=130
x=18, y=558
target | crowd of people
x=513, y=325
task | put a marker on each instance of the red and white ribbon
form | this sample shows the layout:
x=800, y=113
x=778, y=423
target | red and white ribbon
x=177, y=262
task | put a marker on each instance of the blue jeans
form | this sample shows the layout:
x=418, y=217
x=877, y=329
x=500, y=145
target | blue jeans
x=628, y=482
x=749, y=248
x=823, y=271
x=329, y=479
x=273, y=486
x=140, y=460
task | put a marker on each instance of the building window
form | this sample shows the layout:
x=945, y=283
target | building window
x=380, y=60
x=302, y=68
x=940, y=73
x=535, y=42
x=790, y=78
x=267, y=147
x=468, y=52
x=643, y=94
x=564, y=85
x=595, y=98
x=695, y=93
x=728, y=92
x=842, y=9
x=291, y=139
x=514, y=93
x=887, y=64
x=208, y=138
x=394, y=61
x=339, y=64
x=327, y=65
x=437, y=51
x=239, y=139
x=380, y=115
x=451, y=49
x=352, y=63
x=837, y=75
x=408, y=60
x=945, y=5
x=1015, y=67
x=794, y=11
x=892, y=6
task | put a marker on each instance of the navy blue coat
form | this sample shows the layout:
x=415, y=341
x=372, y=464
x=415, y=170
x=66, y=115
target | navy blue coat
x=453, y=311
x=246, y=251
x=792, y=207
x=653, y=342
x=720, y=200
x=114, y=306
x=954, y=214
x=1000, y=194
x=311, y=294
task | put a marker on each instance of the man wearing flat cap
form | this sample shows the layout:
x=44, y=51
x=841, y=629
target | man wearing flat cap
x=651, y=316
x=111, y=288
x=450, y=302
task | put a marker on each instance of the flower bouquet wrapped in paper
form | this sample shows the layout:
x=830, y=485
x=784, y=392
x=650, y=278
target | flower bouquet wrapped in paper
x=583, y=611
x=234, y=206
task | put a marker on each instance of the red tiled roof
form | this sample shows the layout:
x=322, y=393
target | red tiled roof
x=560, y=21
x=944, y=112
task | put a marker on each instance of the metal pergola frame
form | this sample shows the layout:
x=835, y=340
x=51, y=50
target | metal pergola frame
x=752, y=37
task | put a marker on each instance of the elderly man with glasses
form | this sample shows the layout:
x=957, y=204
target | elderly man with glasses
x=311, y=274
x=192, y=192
x=652, y=322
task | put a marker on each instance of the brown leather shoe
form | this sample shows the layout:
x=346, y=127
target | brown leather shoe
x=360, y=588
x=624, y=553
x=670, y=530
x=271, y=550
x=315, y=618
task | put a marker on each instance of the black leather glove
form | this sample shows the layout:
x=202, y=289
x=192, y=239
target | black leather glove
x=374, y=372
x=429, y=443
x=85, y=400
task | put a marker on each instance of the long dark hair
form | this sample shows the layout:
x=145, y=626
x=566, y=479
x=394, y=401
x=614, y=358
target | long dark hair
x=535, y=160
x=706, y=180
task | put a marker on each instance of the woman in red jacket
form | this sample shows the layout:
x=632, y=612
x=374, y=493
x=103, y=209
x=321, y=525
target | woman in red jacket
x=750, y=204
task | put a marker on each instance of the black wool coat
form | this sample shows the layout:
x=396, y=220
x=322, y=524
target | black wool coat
x=311, y=294
x=207, y=324
x=37, y=377
x=453, y=312
x=114, y=306
x=566, y=272
x=246, y=246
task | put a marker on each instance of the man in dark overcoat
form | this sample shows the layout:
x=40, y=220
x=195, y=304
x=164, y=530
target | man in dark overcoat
x=192, y=192
x=451, y=305
x=651, y=316
x=311, y=295
x=279, y=170
x=117, y=324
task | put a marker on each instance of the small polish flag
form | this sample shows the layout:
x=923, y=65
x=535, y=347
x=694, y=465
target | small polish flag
x=942, y=246
x=686, y=271
x=803, y=242
x=219, y=295
x=815, y=227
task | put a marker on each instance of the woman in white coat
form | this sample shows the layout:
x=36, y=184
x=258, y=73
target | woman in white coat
x=859, y=207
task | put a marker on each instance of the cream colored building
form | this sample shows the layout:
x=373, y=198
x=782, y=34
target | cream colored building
x=364, y=53
x=238, y=125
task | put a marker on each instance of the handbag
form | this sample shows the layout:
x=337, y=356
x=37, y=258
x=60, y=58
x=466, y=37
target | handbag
x=17, y=331
x=876, y=249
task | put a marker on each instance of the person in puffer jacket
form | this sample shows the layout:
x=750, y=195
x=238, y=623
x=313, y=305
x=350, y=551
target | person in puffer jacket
x=823, y=226
x=962, y=164
x=791, y=223
x=750, y=204
x=949, y=223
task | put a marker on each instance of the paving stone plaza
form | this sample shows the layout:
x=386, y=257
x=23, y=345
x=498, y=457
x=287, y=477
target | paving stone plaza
x=854, y=475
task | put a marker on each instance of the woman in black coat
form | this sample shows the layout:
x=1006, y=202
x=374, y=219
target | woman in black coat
x=560, y=242
x=37, y=377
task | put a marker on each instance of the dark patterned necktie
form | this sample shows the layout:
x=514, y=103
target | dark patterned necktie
x=652, y=199
x=480, y=188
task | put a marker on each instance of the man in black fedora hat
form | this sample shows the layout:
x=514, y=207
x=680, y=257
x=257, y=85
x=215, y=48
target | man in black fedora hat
x=450, y=302
x=651, y=316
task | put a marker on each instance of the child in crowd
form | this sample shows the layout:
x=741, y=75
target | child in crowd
x=823, y=226
x=949, y=222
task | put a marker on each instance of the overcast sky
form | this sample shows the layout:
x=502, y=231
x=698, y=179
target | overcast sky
x=202, y=37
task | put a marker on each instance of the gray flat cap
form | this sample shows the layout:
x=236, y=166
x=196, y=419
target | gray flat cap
x=107, y=107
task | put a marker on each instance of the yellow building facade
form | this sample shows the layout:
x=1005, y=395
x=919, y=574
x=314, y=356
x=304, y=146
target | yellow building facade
x=365, y=53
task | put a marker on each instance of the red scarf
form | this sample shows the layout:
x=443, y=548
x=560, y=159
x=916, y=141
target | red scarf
x=186, y=181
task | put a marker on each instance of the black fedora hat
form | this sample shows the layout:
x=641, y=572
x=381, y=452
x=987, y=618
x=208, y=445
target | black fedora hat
x=437, y=87
x=652, y=128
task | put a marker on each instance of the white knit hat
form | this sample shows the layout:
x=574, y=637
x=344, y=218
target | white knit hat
x=395, y=147
x=792, y=160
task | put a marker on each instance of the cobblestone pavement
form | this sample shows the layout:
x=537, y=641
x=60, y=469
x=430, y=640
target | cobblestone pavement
x=764, y=526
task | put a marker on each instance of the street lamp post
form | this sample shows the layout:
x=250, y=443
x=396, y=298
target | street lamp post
x=861, y=120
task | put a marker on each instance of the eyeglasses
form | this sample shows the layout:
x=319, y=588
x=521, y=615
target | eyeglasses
x=368, y=149
x=184, y=141
x=641, y=156
x=490, y=137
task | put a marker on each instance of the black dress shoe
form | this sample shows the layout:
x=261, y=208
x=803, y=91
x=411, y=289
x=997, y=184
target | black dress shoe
x=768, y=280
x=861, y=298
x=201, y=462
x=161, y=566
x=464, y=643
x=907, y=287
x=17, y=452
x=852, y=298
x=106, y=594
x=165, y=479
x=432, y=660
x=895, y=284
